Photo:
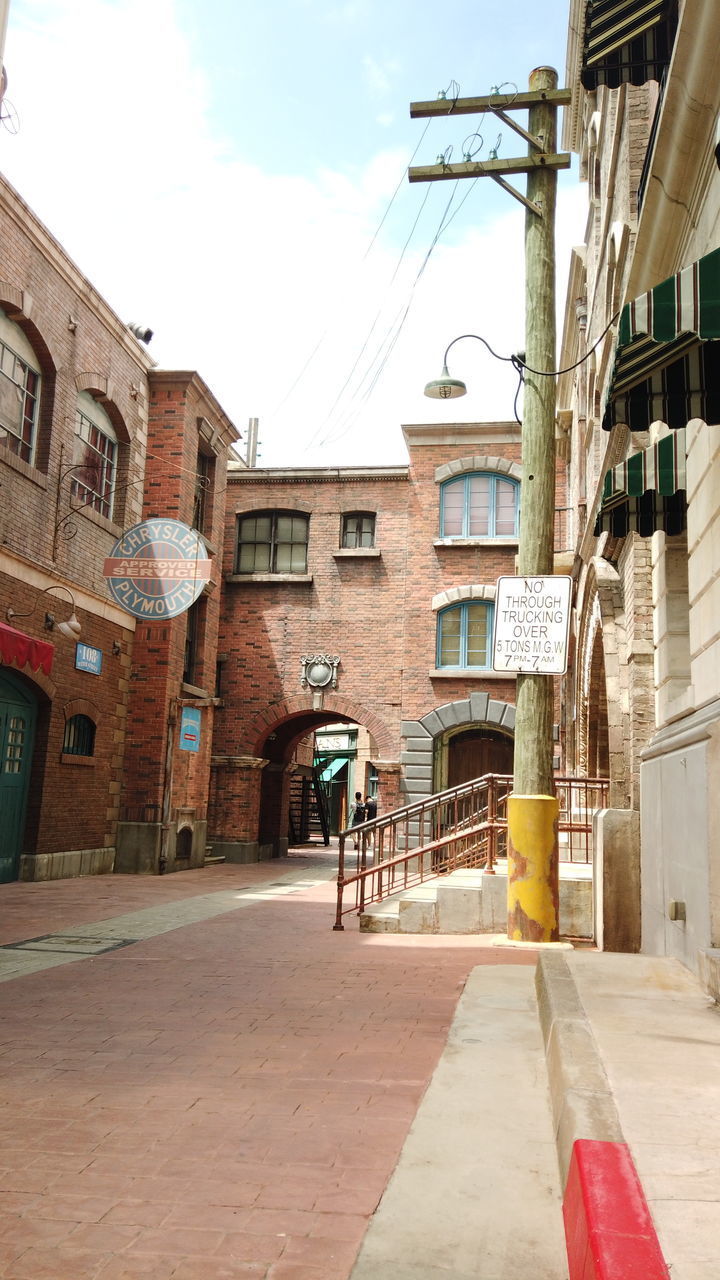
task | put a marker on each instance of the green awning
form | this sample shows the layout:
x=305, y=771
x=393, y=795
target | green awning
x=667, y=365
x=646, y=492
x=329, y=768
x=627, y=41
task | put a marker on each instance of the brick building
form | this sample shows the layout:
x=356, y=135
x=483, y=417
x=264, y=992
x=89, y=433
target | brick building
x=82, y=413
x=384, y=580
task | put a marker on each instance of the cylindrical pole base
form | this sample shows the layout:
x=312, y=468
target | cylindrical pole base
x=533, y=888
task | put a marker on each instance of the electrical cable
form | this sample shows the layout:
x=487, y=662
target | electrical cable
x=378, y=229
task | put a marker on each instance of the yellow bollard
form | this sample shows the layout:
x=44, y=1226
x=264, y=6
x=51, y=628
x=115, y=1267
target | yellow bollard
x=533, y=889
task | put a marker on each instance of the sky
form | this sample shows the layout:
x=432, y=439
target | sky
x=233, y=175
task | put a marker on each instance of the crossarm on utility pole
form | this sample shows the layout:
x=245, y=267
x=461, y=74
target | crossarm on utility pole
x=489, y=102
x=481, y=168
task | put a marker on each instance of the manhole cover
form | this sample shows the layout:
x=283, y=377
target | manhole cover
x=72, y=943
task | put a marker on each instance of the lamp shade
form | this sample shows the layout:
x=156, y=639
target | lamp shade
x=445, y=387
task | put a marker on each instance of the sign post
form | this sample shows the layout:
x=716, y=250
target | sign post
x=532, y=625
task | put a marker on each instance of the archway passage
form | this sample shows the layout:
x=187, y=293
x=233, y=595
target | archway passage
x=273, y=766
x=18, y=711
x=475, y=752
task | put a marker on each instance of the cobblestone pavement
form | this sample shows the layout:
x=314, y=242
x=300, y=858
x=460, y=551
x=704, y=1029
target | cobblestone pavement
x=225, y=1092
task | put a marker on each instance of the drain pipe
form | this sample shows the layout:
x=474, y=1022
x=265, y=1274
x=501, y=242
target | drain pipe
x=167, y=787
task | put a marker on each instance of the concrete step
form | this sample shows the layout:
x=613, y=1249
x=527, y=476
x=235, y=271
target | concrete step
x=471, y=901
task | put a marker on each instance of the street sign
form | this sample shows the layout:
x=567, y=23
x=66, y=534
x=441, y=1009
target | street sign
x=532, y=625
x=88, y=659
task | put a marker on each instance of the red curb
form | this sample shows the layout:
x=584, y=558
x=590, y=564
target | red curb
x=609, y=1232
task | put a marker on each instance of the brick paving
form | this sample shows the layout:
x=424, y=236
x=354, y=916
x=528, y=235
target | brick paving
x=227, y=1099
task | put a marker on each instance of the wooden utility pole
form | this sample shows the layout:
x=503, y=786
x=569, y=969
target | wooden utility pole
x=533, y=774
x=533, y=861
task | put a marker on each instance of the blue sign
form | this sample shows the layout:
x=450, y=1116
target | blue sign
x=88, y=659
x=190, y=729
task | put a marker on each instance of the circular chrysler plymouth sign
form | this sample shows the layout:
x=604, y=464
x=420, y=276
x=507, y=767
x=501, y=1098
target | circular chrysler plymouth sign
x=157, y=569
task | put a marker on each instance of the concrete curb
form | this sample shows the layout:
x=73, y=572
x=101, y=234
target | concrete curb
x=582, y=1102
x=608, y=1226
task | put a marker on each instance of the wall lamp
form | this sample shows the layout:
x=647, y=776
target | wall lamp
x=70, y=629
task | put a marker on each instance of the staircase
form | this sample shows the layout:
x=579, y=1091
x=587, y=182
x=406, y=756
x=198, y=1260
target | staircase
x=439, y=865
x=471, y=901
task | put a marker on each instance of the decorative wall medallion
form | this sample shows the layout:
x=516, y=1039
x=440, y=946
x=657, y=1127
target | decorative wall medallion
x=319, y=671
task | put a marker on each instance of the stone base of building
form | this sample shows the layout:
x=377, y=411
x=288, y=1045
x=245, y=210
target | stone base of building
x=67, y=865
x=248, y=850
x=616, y=860
x=140, y=848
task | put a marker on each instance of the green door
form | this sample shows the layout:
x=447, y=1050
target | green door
x=17, y=731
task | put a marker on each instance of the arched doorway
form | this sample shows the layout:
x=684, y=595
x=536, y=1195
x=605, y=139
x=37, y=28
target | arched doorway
x=18, y=714
x=475, y=752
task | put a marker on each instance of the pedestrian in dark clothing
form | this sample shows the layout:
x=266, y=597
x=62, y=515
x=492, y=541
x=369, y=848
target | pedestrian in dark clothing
x=357, y=814
x=370, y=813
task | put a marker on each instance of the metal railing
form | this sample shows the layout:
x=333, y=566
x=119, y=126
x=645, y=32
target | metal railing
x=463, y=827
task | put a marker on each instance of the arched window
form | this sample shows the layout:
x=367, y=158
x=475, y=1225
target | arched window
x=272, y=542
x=464, y=635
x=19, y=391
x=79, y=737
x=96, y=452
x=479, y=505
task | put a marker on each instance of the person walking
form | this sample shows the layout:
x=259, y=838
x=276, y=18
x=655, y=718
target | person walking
x=357, y=815
x=370, y=813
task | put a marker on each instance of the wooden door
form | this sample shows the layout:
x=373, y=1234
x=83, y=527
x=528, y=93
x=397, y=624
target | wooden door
x=476, y=752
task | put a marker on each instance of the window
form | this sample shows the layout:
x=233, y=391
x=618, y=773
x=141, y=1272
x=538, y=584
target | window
x=192, y=633
x=358, y=529
x=96, y=452
x=272, y=542
x=479, y=505
x=202, y=504
x=79, y=737
x=19, y=391
x=464, y=636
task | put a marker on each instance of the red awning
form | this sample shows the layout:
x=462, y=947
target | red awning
x=22, y=651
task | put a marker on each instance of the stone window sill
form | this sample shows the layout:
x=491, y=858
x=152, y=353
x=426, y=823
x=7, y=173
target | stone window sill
x=269, y=578
x=86, y=762
x=469, y=673
x=357, y=553
x=475, y=542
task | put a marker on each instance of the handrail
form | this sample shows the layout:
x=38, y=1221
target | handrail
x=466, y=826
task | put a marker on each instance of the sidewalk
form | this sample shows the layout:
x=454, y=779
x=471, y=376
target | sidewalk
x=202, y=1081
x=633, y=1056
x=226, y=1092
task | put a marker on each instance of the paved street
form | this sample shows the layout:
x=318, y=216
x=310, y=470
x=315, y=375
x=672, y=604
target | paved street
x=201, y=1079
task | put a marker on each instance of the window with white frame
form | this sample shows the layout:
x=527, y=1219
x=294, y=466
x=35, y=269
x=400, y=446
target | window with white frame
x=94, y=475
x=358, y=529
x=19, y=391
x=464, y=635
x=479, y=505
x=272, y=542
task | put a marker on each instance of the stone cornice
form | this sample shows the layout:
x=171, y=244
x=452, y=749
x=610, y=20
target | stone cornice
x=314, y=475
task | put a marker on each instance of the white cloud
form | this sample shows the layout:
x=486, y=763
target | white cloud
x=243, y=274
